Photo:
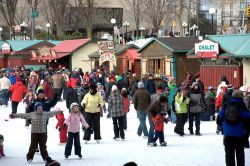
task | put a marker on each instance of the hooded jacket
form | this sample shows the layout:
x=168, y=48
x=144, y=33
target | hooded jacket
x=18, y=90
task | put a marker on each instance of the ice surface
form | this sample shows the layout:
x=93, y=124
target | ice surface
x=205, y=150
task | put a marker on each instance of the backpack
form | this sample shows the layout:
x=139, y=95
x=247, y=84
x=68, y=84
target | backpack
x=232, y=113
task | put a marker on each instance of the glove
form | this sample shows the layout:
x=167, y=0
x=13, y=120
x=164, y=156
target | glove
x=11, y=116
x=83, y=129
x=59, y=129
x=64, y=126
x=99, y=105
x=166, y=120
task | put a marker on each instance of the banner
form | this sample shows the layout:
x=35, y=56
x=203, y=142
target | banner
x=107, y=57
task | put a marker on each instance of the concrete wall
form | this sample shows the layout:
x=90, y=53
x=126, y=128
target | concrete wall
x=246, y=69
x=80, y=57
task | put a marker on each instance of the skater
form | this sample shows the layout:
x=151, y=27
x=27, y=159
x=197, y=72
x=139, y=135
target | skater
x=92, y=102
x=73, y=122
x=181, y=107
x=4, y=87
x=62, y=130
x=126, y=105
x=115, y=105
x=157, y=113
x=141, y=103
x=232, y=117
x=38, y=129
x=196, y=106
x=1, y=146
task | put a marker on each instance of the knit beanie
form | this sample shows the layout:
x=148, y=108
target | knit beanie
x=40, y=91
x=73, y=104
x=37, y=104
x=114, y=88
x=237, y=94
x=140, y=85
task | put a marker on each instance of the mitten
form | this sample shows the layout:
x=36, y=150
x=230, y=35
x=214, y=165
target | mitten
x=64, y=126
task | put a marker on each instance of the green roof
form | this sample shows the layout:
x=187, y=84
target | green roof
x=236, y=45
x=19, y=45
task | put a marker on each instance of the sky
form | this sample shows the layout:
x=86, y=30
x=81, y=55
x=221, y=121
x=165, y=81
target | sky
x=205, y=150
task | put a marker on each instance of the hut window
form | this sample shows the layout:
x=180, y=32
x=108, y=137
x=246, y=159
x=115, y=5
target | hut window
x=155, y=66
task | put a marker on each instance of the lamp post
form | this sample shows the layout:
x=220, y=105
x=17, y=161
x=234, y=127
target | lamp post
x=212, y=11
x=48, y=26
x=184, y=26
x=126, y=25
x=142, y=29
x=113, y=22
x=1, y=30
x=24, y=29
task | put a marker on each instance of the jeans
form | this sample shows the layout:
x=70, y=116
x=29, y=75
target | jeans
x=118, y=127
x=234, y=145
x=125, y=123
x=142, y=115
x=197, y=117
x=160, y=135
x=14, y=107
x=4, y=96
x=173, y=116
x=76, y=138
x=151, y=132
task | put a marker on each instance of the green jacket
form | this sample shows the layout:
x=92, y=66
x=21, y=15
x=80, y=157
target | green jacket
x=181, y=104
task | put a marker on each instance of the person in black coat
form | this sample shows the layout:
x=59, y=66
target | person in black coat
x=228, y=95
x=71, y=97
x=150, y=85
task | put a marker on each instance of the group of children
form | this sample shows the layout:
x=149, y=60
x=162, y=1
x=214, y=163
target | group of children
x=69, y=126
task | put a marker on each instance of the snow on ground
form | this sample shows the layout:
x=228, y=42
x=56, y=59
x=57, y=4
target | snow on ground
x=205, y=150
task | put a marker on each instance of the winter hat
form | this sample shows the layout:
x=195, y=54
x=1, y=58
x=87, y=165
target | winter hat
x=93, y=86
x=73, y=104
x=1, y=137
x=230, y=86
x=37, y=104
x=238, y=94
x=193, y=84
x=51, y=162
x=210, y=88
x=114, y=88
x=124, y=90
x=40, y=91
x=243, y=89
x=140, y=85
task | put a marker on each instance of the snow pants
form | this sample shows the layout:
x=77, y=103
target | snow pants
x=234, y=145
x=93, y=119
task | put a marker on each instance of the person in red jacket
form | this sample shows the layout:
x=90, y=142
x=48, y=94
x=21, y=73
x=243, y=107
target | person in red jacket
x=63, y=130
x=159, y=121
x=18, y=91
x=47, y=87
x=126, y=104
x=218, y=105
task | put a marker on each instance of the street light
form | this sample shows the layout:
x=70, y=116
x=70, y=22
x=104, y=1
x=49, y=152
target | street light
x=24, y=29
x=1, y=30
x=48, y=26
x=142, y=29
x=184, y=26
x=126, y=25
x=212, y=11
x=113, y=22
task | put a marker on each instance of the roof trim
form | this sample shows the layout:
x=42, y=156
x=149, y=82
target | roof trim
x=126, y=48
x=154, y=39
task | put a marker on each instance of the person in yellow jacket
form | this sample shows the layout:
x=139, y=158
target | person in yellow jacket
x=92, y=102
x=181, y=107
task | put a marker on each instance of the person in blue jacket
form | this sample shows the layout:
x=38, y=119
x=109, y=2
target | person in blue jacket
x=234, y=130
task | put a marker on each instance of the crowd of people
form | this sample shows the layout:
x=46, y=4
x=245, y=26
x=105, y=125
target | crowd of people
x=158, y=101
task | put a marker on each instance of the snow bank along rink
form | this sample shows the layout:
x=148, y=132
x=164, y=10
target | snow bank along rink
x=205, y=150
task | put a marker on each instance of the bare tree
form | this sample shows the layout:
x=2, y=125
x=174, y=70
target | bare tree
x=87, y=12
x=8, y=10
x=156, y=10
x=136, y=6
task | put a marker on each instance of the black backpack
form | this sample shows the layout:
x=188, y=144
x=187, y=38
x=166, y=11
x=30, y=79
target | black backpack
x=232, y=113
